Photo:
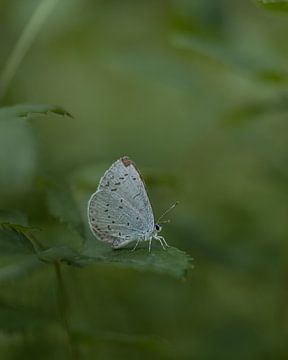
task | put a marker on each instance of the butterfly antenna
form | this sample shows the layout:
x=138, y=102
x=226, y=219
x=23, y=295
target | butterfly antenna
x=167, y=211
x=164, y=221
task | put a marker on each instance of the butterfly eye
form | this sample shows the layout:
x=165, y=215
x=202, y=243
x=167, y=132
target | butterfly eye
x=157, y=227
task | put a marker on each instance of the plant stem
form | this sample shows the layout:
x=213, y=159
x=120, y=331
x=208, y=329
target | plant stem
x=24, y=42
x=63, y=307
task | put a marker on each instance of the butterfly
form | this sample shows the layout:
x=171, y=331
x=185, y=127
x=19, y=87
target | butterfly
x=119, y=212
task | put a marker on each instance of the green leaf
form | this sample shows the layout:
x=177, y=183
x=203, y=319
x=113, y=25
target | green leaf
x=16, y=318
x=263, y=70
x=62, y=205
x=17, y=222
x=18, y=267
x=17, y=158
x=18, y=153
x=13, y=217
x=26, y=110
x=60, y=253
x=156, y=66
x=276, y=5
x=254, y=110
x=91, y=338
x=13, y=240
x=171, y=262
x=17, y=246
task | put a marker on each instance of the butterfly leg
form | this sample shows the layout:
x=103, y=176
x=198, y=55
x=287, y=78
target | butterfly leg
x=164, y=241
x=150, y=243
x=159, y=238
x=162, y=244
x=137, y=243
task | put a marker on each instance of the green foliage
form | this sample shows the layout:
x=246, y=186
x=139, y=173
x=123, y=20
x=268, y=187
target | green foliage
x=17, y=157
x=16, y=267
x=15, y=318
x=195, y=92
x=18, y=150
x=60, y=254
x=257, y=110
x=171, y=262
x=63, y=206
x=13, y=240
x=93, y=340
x=26, y=110
x=276, y=5
x=13, y=217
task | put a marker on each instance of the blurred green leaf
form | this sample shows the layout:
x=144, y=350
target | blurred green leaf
x=16, y=318
x=18, y=153
x=13, y=217
x=17, y=157
x=276, y=5
x=62, y=205
x=26, y=110
x=15, y=221
x=60, y=253
x=264, y=70
x=257, y=110
x=156, y=66
x=13, y=240
x=91, y=338
x=18, y=267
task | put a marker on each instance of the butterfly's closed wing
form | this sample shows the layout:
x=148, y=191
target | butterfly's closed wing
x=120, y=211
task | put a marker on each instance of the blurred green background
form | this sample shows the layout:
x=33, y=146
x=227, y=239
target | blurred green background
x=195, y=92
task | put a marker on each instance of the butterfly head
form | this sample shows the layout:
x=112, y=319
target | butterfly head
x=158, y=228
